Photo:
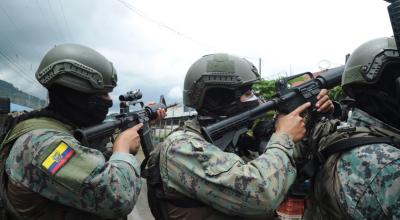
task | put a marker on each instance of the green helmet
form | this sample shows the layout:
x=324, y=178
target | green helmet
x=367, y=62
x=77, y=67
x=216, y=71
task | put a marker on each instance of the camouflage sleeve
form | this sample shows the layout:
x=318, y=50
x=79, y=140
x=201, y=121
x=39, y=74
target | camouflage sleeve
x=57, y=167
x=223, y=180
x=370, y=182
x=381, y=200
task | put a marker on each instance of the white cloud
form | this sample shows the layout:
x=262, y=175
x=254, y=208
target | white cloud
x=154, y=44
x=175, y=93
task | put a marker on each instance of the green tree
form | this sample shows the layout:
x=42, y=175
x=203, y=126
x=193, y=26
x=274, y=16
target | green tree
x=264, y=89
x=336, y=94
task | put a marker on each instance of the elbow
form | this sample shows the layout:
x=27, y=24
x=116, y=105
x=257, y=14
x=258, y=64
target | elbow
x=118, y=205
x=263, y=197
x=262, y=203
x=118, y=197
x=123, y=207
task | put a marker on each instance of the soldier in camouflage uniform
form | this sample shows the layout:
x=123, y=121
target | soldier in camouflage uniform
x=47, y=173
x=363, y=182
x=198, y=179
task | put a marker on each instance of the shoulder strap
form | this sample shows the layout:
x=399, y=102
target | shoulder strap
x=309, y=169
x=33, y=124
x=351, y=143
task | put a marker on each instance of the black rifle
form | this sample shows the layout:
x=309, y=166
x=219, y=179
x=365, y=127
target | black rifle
x=126, y=119
x=394, y=14
x=228, y=131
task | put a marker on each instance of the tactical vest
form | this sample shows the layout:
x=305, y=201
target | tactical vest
x=325, y=192
x=11, y=193
x=168, y=204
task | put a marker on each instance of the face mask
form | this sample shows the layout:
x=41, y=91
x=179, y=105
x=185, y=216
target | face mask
x=81, y=109
x=236, y=107
x=98, y=107
x=245, y=106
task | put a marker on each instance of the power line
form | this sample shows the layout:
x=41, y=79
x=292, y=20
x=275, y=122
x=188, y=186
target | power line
x=65, y=20
x=56, y=20
x=46, y=20
x=12, y=23
x=17, y=69
x=17, y=66
x=173, y=30
x=15, y=62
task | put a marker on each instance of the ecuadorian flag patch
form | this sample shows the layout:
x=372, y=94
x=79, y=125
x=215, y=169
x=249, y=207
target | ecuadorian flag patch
x=60, y=155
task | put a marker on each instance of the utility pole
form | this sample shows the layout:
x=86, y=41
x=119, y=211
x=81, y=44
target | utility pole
x=259, y=65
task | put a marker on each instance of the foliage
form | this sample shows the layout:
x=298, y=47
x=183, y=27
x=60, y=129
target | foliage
x=336, y=94
x=298, y=79
x=264, y=89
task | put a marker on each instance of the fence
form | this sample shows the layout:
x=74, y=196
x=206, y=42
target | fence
x=162, y=129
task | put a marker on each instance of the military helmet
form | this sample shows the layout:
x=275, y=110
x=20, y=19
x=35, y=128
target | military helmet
x=367, y=62
x=77, y=67
x=216, y=71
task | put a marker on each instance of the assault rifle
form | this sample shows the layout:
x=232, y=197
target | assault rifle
x=287, y=99
x=124, y=120
x=394, y=15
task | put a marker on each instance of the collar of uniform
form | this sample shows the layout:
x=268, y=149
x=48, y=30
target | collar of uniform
x=193, y=124
x=360, y=118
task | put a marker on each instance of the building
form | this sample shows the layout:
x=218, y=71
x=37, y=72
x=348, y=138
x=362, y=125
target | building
x=18, y=108
x=180, y=111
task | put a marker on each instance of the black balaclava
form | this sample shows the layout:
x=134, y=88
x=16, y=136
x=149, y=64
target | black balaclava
x=382, y=99
x=224, y=102
x=81, y=109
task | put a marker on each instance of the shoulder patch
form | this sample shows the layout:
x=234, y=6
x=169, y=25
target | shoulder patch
x=58, y=158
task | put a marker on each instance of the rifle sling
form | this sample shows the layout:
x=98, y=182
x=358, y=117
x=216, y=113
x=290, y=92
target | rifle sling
x=309, y=169
x=351, y=143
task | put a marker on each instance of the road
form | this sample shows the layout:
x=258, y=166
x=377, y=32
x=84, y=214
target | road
x=141, y=210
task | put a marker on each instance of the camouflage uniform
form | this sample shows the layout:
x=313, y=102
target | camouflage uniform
x=370, y=175
x=84, y=180
x=192, y=166
x=365, y=181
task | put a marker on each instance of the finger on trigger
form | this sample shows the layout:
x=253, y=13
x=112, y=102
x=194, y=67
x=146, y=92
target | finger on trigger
x=301, y=108
x=138, y=126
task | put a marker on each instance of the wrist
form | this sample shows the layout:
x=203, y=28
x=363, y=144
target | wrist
x=280, y=133
x=282, y=139
x=120, y=147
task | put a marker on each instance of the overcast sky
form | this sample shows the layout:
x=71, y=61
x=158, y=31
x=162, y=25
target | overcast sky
x=152, y=43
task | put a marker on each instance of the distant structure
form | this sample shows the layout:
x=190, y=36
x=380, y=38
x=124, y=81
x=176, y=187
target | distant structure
x=315, y=74
x=19, y=97
x=17, y=108
x=180, y=111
